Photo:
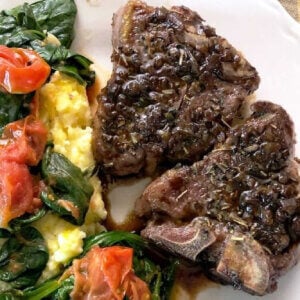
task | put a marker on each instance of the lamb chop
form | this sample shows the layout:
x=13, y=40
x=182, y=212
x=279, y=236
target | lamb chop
x=237, y=211
x=175, y=88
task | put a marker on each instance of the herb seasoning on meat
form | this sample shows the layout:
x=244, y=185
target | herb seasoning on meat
x=236, y=212
x=175, y=88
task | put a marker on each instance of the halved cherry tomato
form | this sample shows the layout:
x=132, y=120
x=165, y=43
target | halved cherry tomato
x=16, y=191
x=106, y=273
x=24, y=141
x=21, y=70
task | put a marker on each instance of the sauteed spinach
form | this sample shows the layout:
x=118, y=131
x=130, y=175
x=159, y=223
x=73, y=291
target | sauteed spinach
x=54, y=16
x=23, y=257
x=159, y=277
x=13, y=107
x=27, y=26
x=68, y=191
x=27, y=219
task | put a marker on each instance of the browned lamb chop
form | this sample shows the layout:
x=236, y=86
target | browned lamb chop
x=175, y=88
x=237, y=211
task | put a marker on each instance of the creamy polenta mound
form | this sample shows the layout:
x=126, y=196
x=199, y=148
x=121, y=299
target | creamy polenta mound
x=64, y=109
x=64, y=241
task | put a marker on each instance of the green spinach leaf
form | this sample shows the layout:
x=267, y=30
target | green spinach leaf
x=11, y=295
x=23, y=257
x=63, y=292
x=64, y=60
x=41, y=291
x=19, y=30
x=4, y=233
x=26, y=219
x=111, y=238
x=13, y=107
x=54, y=16
x=68, y=191
x=27, y=26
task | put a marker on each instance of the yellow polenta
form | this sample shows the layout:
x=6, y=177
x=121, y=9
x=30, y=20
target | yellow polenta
x=64, y=108
x=64, y=241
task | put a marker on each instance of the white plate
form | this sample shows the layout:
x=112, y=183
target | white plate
x=269, y=39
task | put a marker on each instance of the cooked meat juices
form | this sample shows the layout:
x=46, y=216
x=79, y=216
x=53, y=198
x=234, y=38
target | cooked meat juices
x=175, y=88
x=237, y=211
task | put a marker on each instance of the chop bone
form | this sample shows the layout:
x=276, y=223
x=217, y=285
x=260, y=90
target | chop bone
x=247, y=190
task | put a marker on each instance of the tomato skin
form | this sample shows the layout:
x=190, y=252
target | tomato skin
x=22, y=70
x=16, y=191
x=22, y=145
x=106, y=273
x=25, y=141
x=115, y=264
x=137, y=289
